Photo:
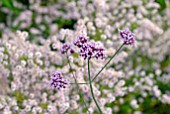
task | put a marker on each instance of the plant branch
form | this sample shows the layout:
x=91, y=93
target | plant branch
x=91, y=88
x=81, y=95
x=107, y=63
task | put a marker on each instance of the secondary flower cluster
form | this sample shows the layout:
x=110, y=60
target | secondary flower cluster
x=67, y=47
x=89, y=49
x=127, y=36
x=57, y=81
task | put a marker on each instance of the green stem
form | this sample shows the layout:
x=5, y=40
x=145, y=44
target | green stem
x=91, y=88
x=107, y=63
x=81, y=95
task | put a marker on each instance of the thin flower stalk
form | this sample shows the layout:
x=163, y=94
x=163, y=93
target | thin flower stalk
x=107, y=62
x=91, y=88
x=81, y=95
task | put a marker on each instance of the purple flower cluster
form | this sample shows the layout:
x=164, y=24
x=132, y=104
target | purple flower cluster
x=65, y=47
x=127, y=36
x=57, y=81
x=81, y=40
x=89, y=49
x=100, y=52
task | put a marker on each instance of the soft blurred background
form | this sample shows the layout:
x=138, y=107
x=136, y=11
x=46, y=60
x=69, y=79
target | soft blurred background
x=32, y=32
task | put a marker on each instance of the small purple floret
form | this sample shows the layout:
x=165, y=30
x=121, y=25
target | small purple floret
x=57, y=81
x=127, y=36
x=65, y=47
x=81, y=40
x=100, y=52
x=91, y=49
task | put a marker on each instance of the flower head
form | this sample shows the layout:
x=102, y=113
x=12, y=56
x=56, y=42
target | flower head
x=87, y=50
x=72, y=50
x=127, y=36
x=90, y=49
x=81, y=40
x=65, y=47
x=100, y=52
x=57, y=81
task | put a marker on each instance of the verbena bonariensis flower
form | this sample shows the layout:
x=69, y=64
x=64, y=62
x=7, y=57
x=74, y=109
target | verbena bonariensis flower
x=57, y=81
x=127, y=36
x=72, y=50
x=100, y=52
x=81, y=39
x=65, y=47
x=90, y=49
x=87, y=50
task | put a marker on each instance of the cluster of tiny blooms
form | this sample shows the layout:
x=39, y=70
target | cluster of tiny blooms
x=67, y=47
x=57, y=81
x=127, y=36
x=89, y=49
